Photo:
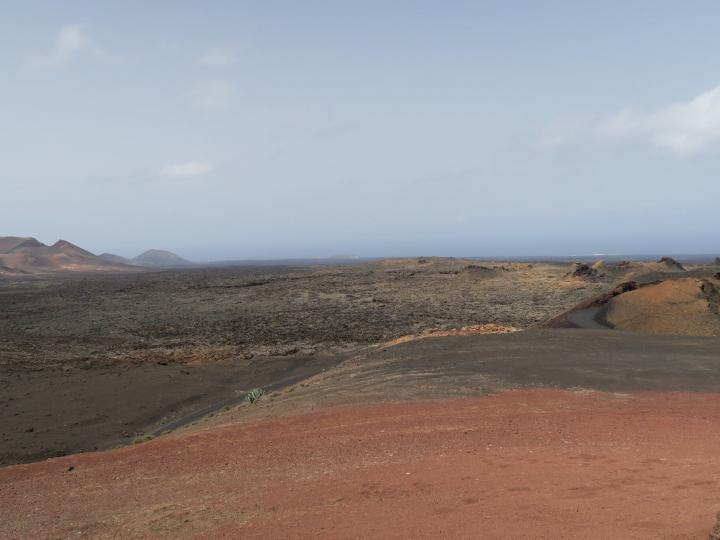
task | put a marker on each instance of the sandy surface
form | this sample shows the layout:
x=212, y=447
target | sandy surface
x=683, y=307
x=522, y=464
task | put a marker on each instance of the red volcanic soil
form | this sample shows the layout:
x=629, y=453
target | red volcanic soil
x=521, y=464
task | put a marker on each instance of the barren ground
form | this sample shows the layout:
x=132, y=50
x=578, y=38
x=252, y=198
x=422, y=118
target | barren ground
x=90, y=362
x=521, y=464
x=383, y=418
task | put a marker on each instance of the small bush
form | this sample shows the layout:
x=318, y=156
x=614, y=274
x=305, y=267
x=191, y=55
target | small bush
x=253, y=395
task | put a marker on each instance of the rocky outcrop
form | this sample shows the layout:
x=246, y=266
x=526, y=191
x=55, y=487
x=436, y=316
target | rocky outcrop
x=582, y=270
x=670, y=263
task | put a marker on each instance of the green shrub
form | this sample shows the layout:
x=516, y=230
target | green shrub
x=253, y=395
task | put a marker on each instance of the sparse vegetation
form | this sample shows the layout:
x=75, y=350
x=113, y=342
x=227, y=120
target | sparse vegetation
x=253, y=395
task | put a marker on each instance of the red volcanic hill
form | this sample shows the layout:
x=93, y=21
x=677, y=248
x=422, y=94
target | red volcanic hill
x=29, y=256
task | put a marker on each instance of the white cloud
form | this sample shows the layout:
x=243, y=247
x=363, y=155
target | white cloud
x=70, y=41
x=187, y=169
x=218, y=57
x=212, y=95
x=560, y=134
x=682, y=128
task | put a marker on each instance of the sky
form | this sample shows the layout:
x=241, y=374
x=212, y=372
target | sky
x=271, y=129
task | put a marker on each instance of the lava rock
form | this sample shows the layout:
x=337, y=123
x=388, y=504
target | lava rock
x=671, y=263
x=583, y=270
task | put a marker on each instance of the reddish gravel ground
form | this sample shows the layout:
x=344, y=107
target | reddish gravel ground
x=522, y=464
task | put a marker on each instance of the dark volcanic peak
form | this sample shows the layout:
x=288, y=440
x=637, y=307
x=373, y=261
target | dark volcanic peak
x=160, y=258
x=9, y=243
x=69, y=247
x=29, y=244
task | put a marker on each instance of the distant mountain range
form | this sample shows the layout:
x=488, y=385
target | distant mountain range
x=27, y=256
x=152, y=258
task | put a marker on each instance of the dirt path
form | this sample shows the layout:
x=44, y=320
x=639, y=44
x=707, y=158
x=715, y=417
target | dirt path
x=522, y=464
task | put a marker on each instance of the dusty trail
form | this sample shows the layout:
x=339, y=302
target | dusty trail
x=531, y=463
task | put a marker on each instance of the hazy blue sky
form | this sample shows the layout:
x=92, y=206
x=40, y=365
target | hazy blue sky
x=283, y=129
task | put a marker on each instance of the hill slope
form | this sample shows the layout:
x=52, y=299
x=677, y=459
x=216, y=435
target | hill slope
x=117, y=259
x=9, y=243
x=160, y=258
x=29, y=256
x=671, y=306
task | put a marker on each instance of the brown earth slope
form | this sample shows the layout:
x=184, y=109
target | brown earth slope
x=522, y=464
x=682, y=307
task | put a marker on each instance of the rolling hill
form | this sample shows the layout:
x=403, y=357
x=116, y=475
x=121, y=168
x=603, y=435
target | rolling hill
x=23, y=256
x=159, y=258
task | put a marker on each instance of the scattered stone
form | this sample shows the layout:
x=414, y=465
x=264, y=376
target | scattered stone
x=71, y=468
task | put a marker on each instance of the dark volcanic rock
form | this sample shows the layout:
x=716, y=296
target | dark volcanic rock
x=583, y=270
x=671, y=263
x=478, y=268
